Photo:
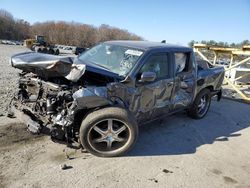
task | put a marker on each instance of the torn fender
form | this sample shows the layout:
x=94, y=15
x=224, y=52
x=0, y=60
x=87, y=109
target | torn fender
x=91, y=97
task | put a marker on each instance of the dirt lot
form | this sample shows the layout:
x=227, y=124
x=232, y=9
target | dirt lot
x=176, y=152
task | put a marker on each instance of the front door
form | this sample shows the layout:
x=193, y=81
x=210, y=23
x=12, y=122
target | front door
x=152, y=99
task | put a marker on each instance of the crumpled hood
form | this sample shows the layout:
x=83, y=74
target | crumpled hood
x=48, y=66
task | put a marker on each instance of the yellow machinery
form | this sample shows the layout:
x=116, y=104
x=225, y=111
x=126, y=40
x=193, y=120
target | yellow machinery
x=29, y=43
x=38, y=41
x=40, y=45
x=239, y=53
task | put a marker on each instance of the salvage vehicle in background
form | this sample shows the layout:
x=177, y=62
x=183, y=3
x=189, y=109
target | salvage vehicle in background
x=98, y=99
x=78, y=50
x=11, y=42
x=64, y=49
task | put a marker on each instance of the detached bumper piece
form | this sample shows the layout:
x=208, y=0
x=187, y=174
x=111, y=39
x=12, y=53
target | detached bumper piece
x=34, y=127
x=218, y=93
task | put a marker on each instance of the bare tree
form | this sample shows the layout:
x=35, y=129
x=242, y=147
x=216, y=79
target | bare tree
x=13, y=29
x=80, y=34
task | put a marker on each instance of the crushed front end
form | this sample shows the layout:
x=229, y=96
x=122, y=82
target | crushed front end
x=54, y=94
x=46, y=106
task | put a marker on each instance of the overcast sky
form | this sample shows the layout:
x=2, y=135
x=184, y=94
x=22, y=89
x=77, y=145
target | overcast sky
x=175, y=21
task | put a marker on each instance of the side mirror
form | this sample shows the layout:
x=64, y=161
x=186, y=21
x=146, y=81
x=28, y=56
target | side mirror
x=148, y=77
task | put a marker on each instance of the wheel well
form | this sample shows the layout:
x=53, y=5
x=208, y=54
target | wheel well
x=211, y=88
x=81, y=114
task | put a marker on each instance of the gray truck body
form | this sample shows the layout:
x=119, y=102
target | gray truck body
x=80, y=87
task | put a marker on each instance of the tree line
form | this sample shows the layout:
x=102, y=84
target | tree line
x=13, y=29
x=221, y=44
x=80, y=34
x=67, y=33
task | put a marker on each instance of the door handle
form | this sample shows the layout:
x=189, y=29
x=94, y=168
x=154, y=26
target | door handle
x=169, y=84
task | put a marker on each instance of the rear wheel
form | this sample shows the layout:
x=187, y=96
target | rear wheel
x=201, y=104
x=108, y=132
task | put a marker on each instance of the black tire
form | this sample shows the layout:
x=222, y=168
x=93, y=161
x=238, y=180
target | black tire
x=45, y=50
x=33, y=47
x=57, y=52
x=51, y=51
x=39, y=50
x=196, y=111
x=120, y=119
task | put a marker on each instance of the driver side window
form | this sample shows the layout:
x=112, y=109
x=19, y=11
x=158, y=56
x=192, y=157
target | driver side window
x=157, y=63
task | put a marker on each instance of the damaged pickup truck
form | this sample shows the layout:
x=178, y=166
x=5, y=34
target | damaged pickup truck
x=98, y=99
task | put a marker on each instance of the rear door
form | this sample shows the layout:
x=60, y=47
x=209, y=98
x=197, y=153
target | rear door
x=185, y=75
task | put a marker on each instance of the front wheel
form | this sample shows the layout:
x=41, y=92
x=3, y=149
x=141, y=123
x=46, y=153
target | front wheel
x=108, y=132
x=201, y=104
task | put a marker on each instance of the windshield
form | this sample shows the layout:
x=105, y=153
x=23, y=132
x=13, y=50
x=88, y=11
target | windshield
x=117, y=59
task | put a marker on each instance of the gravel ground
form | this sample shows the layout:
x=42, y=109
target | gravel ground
x=8, y=74
x=175, y=152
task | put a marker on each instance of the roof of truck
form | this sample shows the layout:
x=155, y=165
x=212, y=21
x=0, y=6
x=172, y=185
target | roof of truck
x=145, y=45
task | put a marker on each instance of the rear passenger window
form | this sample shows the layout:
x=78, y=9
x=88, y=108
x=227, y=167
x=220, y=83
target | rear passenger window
x=157, y=63
x=181, y=62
